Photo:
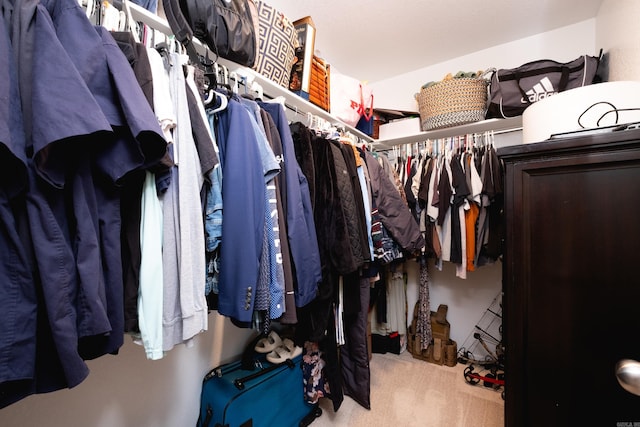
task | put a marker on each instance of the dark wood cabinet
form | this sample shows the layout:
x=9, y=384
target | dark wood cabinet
x=571, y=279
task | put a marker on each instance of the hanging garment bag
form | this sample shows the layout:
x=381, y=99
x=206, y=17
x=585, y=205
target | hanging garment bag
x=267, y=395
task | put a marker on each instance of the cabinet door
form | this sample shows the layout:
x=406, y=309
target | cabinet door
x=572, y=285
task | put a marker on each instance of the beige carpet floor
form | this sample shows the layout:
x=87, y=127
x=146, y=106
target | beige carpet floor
x=409, y=392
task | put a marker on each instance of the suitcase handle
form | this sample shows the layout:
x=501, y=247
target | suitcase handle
x=239, y=382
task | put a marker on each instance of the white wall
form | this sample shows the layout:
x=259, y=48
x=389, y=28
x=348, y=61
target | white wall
x=127, y=390
x=467, y=299
x=618, y=32
x=562, y=45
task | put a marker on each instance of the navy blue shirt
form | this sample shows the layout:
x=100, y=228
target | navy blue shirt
x=88, y=125
x=52, y=138
x=243, y=192
x=301, y=229
x=18, y=295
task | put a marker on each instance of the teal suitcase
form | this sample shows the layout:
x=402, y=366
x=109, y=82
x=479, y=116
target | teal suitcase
x=267, y=395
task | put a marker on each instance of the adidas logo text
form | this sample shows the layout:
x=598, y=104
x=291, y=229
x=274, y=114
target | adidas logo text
x=542, y=89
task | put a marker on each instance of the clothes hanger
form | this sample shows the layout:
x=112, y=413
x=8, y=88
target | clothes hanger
x=209, y=97
x=212, y=73
x=311, y=124
x=90, y=8
x=235, y=88
x=223, y=101
x=222, y=73
x=257, y=88
x=278, y=100
x=245, y=85
x=129, y=23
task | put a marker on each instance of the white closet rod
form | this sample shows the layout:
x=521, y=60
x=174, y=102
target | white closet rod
x=271, y=89
x=141, y=14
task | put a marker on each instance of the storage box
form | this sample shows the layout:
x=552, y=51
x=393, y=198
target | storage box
x=300, y=79
x=319, y=89
x=399, y=128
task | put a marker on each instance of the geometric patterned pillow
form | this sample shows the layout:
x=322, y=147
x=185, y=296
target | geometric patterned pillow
x=277, y=44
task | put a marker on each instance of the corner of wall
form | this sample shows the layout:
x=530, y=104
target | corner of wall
x=617, y=33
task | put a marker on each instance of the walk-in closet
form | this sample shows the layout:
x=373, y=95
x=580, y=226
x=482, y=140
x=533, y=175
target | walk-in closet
x=175, y=211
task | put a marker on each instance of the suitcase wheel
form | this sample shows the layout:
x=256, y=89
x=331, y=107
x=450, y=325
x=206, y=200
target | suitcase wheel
x=311, y=416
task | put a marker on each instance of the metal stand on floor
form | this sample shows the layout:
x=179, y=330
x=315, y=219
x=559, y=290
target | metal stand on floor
x=483, y=350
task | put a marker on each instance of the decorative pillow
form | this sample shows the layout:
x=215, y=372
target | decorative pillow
x=277, y=44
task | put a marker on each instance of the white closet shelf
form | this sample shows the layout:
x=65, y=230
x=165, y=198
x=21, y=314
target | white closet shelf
x=512, y=124
x=270, y=88
x=293, y=101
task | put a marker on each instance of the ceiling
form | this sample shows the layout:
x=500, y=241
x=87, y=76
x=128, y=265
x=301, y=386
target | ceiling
x=374, y=39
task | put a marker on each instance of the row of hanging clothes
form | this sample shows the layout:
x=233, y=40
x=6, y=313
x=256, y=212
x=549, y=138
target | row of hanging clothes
x=358, y=215
x=110, y=167
x=127, y=166
x=93, y=162
x=320, y=215
x=454, y=189
x=307, y=256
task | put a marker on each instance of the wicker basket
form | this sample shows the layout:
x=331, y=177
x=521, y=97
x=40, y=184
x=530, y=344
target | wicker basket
x=453, y=102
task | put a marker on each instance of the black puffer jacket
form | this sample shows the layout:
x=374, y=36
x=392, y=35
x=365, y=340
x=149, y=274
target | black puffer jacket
x=351, y=209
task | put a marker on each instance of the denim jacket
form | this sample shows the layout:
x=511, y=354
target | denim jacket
x=213, y=210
